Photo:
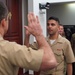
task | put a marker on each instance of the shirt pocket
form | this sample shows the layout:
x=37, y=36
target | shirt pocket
x=59, y=55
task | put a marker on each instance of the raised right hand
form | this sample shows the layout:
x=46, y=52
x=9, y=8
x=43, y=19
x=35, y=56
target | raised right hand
x=34, y=26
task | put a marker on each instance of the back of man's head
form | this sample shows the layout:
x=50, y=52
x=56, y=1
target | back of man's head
x=3, y=11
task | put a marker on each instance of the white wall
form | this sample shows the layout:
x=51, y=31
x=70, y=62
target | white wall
x=33, y=6
x=64, y=11
x=24, y=16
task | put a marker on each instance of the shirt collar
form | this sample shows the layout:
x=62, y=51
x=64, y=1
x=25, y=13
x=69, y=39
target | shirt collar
x=57, y=40
x=1, y=38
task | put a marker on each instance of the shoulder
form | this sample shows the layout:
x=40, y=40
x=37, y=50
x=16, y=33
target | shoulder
x=11, y=43
x=73, y=35
x=64, y=40
x=7, y=45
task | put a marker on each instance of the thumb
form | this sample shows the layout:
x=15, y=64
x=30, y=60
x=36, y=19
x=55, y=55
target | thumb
x=26, y=27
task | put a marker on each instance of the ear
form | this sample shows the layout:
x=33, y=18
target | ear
x=58, y=26
x=3, y=22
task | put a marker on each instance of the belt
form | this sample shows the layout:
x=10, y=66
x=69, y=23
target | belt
x=46, y=74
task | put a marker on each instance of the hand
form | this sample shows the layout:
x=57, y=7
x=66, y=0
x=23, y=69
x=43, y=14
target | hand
x=27, y=33
x=34, y=26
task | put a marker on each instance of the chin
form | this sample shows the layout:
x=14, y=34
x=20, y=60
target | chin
x=50, y=33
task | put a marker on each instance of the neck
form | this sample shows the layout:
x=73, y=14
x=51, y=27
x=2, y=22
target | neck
x=53, y=37
x=1, y=32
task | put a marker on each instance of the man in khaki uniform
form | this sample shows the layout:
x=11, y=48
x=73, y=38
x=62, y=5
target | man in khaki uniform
x=73, y=43
x=61, y=48
x=73, y=47
x=13, y=55
x=61, y=30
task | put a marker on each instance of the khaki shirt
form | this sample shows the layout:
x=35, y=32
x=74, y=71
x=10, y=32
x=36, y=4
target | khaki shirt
x=63, y=53
x=73, y=43
x=13, y=56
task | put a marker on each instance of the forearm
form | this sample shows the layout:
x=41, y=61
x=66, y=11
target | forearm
x=26, y=42
x=48, y=54
x=34, y=28
x=42, y=44
x=69, y=69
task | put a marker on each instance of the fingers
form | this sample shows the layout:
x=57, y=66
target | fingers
x=34, y=26
x=37, y=19
x=32, y=18
x=29, y=19
x=26, y=27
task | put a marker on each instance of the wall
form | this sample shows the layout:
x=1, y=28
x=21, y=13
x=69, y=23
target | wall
x=64, y=11
x=42, y=17
x=24, y=16
x=33, y=6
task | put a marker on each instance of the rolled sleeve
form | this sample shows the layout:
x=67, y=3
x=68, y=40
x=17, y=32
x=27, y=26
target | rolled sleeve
x=25, y=57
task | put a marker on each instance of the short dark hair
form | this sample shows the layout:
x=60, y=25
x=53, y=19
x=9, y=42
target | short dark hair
x=54, y=18
x=3, y=11
x=61, y=25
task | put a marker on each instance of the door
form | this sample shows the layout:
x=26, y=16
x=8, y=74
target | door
x=15, y=24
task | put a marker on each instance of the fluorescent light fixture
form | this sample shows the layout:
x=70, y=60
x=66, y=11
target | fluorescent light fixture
x=71, y=5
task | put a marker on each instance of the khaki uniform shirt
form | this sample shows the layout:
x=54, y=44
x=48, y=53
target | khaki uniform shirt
x=13, y=56
x=63, y=53
x=73, y=43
